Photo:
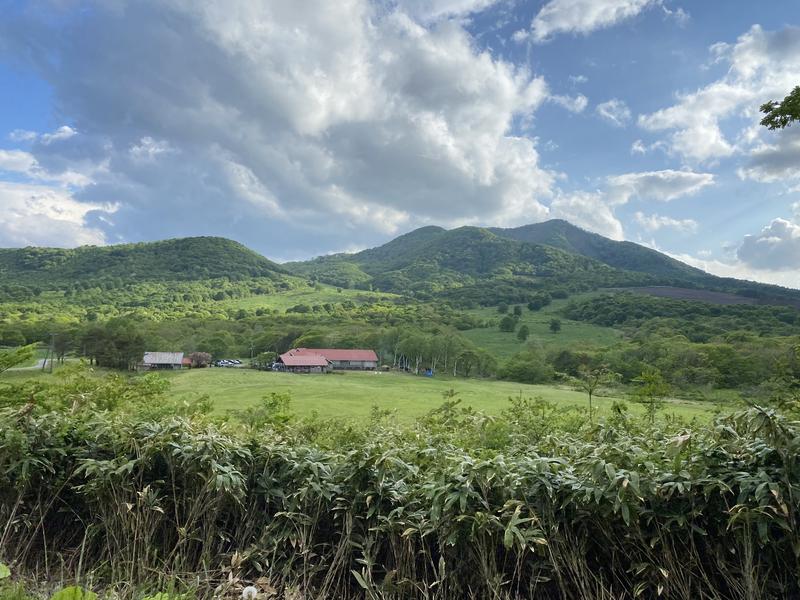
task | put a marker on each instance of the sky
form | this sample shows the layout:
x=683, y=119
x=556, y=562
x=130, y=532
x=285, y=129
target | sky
x=306, y=127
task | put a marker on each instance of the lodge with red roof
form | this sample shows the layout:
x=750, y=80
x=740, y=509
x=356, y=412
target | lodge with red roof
x=320, y=360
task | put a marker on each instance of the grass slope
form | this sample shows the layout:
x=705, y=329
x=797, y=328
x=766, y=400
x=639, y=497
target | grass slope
x=352, y=395
x=574, y=334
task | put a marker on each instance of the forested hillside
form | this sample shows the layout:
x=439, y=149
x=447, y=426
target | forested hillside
x=473, y=266
x=184, y=259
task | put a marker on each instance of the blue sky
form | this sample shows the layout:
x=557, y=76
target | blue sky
x=302, y=128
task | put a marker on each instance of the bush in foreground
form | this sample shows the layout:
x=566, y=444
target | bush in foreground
x=535, y=503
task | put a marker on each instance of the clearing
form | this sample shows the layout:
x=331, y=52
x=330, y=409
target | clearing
x=353, y=394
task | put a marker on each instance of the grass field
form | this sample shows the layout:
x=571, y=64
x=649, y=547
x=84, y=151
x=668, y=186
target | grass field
x=574, y=334
x=353, y=394
x=307, y=295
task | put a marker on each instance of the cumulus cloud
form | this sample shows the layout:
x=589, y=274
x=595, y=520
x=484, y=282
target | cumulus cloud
x=775, y=160
x=595, y=210
x=655, y=222
x=738, y=269
x=776, y=247
x=662, y=186
x=583, y=16
x=761, y=65
x=24, y=163
x=236, y=118
x=589, y=210
x=38, y=215
x=614, y=111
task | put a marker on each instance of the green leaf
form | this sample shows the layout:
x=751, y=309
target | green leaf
x=4, y=571
x=74, y=592
x=360, y=579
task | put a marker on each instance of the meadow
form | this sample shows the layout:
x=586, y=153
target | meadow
x=352, y=395
x=573, y=334
x=317, y=294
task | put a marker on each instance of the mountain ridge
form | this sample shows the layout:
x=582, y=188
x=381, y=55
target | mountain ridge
x=464, y=265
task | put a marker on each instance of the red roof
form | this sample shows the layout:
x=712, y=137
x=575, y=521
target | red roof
x=337, y=353
x=291, y=359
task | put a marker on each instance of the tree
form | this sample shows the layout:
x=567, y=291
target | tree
x=539, y=300
x=590, y=380
x=784, y=113
x=523, y=333
x=508, y=324
x=517, y=311
x=502, y=308
x=650, y=391
x=200, y=359
x=264, y=360
x=555, y=325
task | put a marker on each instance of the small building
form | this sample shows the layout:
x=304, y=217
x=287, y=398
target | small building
x=162, y=361
x=303, y=362
x=340, y=358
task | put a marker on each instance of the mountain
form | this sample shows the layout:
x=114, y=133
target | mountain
x=489, y=265
x=469, y=263
x=621, y=255
x=184, y=259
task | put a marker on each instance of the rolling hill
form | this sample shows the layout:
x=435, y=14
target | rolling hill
x=185, y=259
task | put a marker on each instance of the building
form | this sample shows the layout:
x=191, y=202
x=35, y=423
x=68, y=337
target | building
x=162, y=360
x=338, y=358
x=306, y=362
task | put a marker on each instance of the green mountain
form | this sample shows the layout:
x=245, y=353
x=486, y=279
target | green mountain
x=621, y=255
x=488, y=265
x=470, y=264
x=185, y=259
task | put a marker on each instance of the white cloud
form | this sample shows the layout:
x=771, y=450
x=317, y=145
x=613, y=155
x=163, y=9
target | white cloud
x=583, y=16
x=661, y=186
x=738, y=270
x=241, y=113
x=775, y=161
x=578, y=79
x=62, y=133
x=655, y=222
x=614, y=111
x=433, y=10
x=638, y=147
x=24, y=163
x=574, y=104
x=595, y=210
x=681, y=17
x=38, y=215
x=22, y=135
x=589, y=210
x=763, y=65
x=147, y=149
x=776, y=247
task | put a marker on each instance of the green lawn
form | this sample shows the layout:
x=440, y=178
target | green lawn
x=352, y=394
x=573, y=334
